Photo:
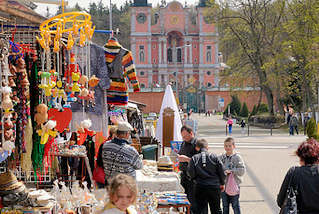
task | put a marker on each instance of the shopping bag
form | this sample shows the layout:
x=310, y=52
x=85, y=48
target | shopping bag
x=99, y=175
x=231, y=186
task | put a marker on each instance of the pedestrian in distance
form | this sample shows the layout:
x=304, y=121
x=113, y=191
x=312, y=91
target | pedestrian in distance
x=242, y=125
x=122, y=195
x=293, y=124
x=208, y=174
x=234, y=167
x=305, y=122
x=230, y=125
x=304, y=179
x=186, y=152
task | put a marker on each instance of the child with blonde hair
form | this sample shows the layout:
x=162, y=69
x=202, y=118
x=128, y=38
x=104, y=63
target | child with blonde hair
x=122, y=192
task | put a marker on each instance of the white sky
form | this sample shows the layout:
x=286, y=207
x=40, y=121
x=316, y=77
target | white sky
x=85, y=3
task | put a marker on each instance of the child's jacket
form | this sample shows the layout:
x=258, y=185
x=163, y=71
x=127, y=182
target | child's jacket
x=236, y=164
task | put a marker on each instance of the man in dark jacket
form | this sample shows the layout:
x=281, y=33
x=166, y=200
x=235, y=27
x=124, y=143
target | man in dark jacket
x=207, y=171
x=185, y=154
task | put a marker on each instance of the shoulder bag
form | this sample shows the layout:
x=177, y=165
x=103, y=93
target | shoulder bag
x=290, y=203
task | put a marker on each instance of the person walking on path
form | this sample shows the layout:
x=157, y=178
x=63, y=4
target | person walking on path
x=186, y=152
x=242, y=125
x=305, y=122
x=207, y=171
x=304, y=179
x=120, y=157
x=293, y=124
x=234, y=166
x=230, y=125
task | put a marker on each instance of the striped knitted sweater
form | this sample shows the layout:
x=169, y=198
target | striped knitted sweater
x=120, y=63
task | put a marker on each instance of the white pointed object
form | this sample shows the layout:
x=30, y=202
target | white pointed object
x=169, y=101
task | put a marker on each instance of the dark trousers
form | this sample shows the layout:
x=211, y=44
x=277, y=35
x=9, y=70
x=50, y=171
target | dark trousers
x=207, y=195
x=189, y=188
x=233, y=200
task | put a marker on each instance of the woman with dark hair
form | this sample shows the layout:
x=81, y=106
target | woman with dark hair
x=304, y=179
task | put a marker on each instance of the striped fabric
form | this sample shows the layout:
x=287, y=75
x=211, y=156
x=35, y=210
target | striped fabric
x=117, y=93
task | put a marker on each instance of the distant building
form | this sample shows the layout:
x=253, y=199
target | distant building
x=176, y=41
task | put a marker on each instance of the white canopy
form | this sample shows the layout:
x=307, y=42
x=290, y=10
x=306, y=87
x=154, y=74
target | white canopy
x=169, y=101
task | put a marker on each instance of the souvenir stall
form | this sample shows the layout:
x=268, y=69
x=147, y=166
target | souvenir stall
x=50, y=94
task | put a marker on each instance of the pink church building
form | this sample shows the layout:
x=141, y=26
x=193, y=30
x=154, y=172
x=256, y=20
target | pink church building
x=179, y=47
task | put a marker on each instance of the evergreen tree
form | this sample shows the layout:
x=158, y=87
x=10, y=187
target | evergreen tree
x=244, y=110
x=311, y=129
x=235, y=105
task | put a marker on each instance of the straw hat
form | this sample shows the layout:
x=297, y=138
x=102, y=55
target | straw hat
x=8, y=181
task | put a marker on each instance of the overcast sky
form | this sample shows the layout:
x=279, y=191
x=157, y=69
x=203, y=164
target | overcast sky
x=85, y=3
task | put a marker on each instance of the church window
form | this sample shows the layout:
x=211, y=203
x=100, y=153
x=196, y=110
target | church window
x=209, y=84
x=169, y=55
x=142, y=85
x=141, y=54
x=142, y=73
x=179, y=55
x=209, y=54
x=209, y=73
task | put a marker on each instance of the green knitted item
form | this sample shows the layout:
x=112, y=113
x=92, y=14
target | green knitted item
x=37, y=154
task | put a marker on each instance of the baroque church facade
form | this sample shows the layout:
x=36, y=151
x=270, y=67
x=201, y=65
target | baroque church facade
x=179, y=46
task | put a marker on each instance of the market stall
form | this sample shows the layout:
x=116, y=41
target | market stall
x=58, y=98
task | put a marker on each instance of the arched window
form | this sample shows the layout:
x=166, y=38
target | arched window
x=169, y=55
x=142, y=73
x=209, y=84
x=179, y=55
x=209, y=56
x=142, y=85
x=141, y=54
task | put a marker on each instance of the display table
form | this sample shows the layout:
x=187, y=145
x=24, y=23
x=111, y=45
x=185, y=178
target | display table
x=161, y=182
x=185, y=206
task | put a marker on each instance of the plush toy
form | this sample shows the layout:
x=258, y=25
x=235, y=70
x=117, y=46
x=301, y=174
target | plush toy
x=41, y=115
x=6, y=100
x=84, y=131
x=47, y=131
x=83, y=80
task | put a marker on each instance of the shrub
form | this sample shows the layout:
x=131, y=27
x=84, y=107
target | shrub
x=254, y=111
x=263, y=108
x=311, y=129
x=244, y=110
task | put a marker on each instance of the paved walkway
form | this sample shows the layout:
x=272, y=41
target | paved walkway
x=267, y=159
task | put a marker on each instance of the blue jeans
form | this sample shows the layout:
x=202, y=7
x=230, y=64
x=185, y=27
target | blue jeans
x=230, y=129
x=233, y=200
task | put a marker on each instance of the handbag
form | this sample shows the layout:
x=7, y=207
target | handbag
x=290, y=203
x=99, y=175
x=232, y=188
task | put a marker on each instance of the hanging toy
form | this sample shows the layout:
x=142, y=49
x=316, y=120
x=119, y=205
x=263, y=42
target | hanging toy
x=41, y=115
x=82, y=38
x=47, y=131
x=70, y=42
x=84, y=131
x=45, y=79
x=8, y=146
x=6, y=104
x=56, y=47
x=93, y=81
x=75, y=78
